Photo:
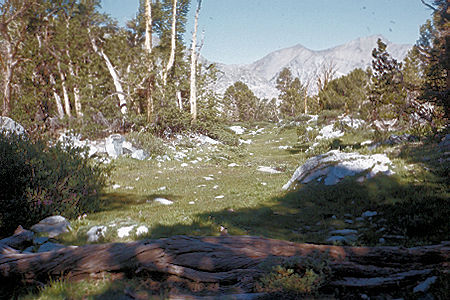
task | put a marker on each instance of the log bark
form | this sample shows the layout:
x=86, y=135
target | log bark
x=227, y=260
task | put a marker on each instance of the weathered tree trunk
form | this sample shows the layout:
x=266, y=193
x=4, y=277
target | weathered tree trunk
x=193, y=85
x=172, y=44
x=58, y=102
x=148, y=26
x=114, y=75
x=12, y=42
x=65, y=92
x=226, y=260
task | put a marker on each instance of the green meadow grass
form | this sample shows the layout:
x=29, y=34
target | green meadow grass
x=413, y=203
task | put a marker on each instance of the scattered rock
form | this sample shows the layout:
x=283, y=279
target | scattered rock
x=369, y=214
x=343, y=239
x=352, y=122
x=114, y=145
x=124, y=231
x=139, y=154
x=49, y=246
x=444, y=145
x=331, y=167
x=400, y=139
x=141, y=230
x=208, y=178
x=328, y=132
x=8, y=125
x=52, y=226
x=237, y=129
x=29, y=250
x=95, y=233
x=40, y=240
x=424, y=286
x=247, y=142
x=268, y=170
x=163, y=201
x=344, y=231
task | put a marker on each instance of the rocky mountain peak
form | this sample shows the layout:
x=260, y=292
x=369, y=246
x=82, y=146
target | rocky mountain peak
x=304, y=63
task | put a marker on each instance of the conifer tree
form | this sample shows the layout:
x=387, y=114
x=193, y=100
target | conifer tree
x=292, y=93
x=387, y=91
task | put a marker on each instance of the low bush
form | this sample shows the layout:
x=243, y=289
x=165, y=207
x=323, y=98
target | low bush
x=39, y=181
x=295, y=276
x=148, y=142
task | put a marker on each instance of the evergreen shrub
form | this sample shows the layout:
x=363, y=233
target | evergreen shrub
x=295, y=277
x=40, y=180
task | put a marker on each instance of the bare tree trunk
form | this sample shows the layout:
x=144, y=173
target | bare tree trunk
x=12, y=42
x=65, y=92
x=179, y=100
x=173, y=42
x=305, y=95
x=58, y=102
x=193, y=85
x=114, y=75
x=148, y=48
x=148, y=26
x=7, y=87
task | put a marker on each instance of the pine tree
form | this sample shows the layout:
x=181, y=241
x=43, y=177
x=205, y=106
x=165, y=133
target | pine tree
x=292, y=94
x=240, y=104
x=387, y=91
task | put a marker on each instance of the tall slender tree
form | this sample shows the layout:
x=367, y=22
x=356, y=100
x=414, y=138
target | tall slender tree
x=193, y=84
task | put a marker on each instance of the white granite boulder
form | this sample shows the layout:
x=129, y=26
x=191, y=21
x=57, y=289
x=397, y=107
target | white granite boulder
x=8, y=125
x=114, y=145
x=95, y=233
x=52, y=226
x=331, y=167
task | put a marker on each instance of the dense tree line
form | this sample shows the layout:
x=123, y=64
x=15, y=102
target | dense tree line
x=63, y=64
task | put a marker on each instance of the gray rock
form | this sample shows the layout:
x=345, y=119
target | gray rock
x=344, y=231
x=8, y=125
x=342, y=239
x=331, y=167
x=400, y=139
x=114, y=145
x=95, y=233
x=424, y=286
x=52, y=226
x=445, y=143
x=369, y=214
x=40, y=240
x=49, y=246
x=28, y=250
x=139, y=154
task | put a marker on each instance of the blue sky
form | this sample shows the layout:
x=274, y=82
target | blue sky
x=242, y=31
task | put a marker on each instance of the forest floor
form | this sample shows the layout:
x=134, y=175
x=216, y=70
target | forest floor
x=219, y=189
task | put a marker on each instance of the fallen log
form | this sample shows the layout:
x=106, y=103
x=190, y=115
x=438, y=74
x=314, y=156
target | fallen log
x=226, y=260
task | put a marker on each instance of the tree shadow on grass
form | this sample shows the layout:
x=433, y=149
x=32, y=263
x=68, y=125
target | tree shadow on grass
x=410, y=209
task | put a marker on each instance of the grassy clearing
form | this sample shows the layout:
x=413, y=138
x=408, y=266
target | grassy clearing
x=209, y=194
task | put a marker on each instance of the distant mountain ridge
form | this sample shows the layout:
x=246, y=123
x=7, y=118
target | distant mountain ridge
x=260, y=76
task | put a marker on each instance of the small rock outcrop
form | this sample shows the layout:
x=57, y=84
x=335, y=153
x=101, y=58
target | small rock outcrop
x=52, y=226
x=8, y=125
x=331, y=167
